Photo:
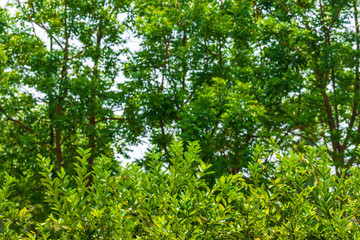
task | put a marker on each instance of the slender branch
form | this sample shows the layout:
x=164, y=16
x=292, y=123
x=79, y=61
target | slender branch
x=163, y=132
x=256, y=13
x=220, y=55
x=164, y=65
x=83, y=49
x=109, y=118
x=293, y=15
x=351, y=161
x=40, y=25
x=321, y=11
x=334, y=92
x=23, y=125
x=306, y=138
x=336, y=17
x=209, y=51
x=286, y=9
x=331, y=122
x=302, y=4
x=357, y=78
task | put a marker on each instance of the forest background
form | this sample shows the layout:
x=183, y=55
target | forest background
x=228, y=74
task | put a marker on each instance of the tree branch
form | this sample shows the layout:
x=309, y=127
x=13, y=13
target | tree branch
x=164, y=65
x=286, y=9
x=18, y=122
x=109, y=118
x=39, y=24
x=357, y=78
x=336, y=17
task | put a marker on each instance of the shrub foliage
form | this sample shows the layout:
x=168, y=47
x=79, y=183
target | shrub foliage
x=302, y=199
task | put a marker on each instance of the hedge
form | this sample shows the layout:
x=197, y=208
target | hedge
x=300, y=198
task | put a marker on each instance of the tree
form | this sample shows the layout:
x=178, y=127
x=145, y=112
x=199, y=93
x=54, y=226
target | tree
x=310, y=72
x=57, y=92
x=189, y=80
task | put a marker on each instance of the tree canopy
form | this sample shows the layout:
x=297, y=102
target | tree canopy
x=228, y=74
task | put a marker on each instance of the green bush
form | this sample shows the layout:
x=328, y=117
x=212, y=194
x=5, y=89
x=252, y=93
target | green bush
x=302, y=199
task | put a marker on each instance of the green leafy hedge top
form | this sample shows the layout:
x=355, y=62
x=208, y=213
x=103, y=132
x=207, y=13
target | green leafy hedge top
x=302, y=200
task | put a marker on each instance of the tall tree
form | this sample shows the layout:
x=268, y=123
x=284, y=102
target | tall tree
x=189, y=80
x=60, y=59
x=310, y=72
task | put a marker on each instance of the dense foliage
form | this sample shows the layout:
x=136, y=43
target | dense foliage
x=228, y=74
x=303, y=199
